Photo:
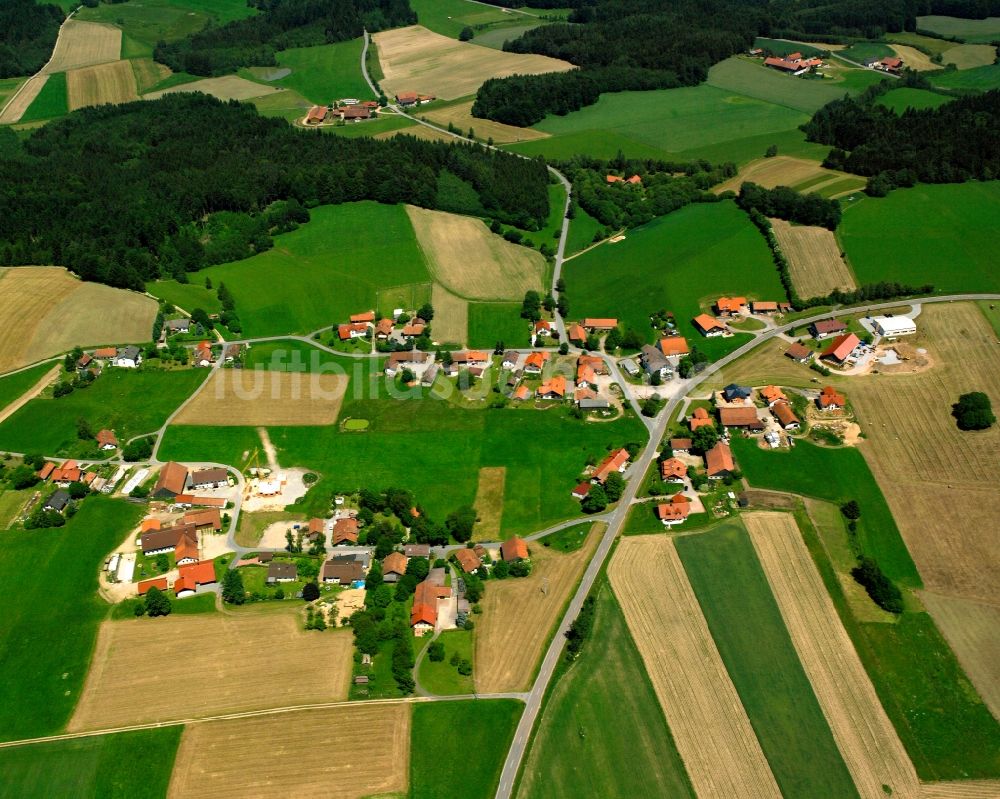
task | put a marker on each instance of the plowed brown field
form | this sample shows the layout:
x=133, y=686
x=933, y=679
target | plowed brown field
x=710, y=726
x=518, y=617
x=813, y=259
x=305, y=753
x=867, y=740
x=179, y=667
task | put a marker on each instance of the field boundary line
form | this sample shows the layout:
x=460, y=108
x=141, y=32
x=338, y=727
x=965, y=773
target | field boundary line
x=29, y=395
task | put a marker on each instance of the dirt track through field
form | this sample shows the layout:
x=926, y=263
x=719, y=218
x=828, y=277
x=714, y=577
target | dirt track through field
x=518, y=616
x=451, y=316
x=17, y=105
x=82, y=44
x=470, y=261
x=415, y=59
x=256, y=397
x=813, y=259
x=971, y=629
x=30, y=394
x=54, y=311
x=867, y=740
x=306, y=753
x=704, y=712
x=228, y=87
x=489, y=503
x=149, y=670
x=101, y=84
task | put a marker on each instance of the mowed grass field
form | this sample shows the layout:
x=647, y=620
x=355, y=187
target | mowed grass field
x=755, y=646
x=312, y=751
x=55, y=592
x=246, y=662
x=917, y=99
x=939, y=234
x=251, y=397
x=12, y=387
x=102, y=84
x=131, y=764
x=470, y=741
x=682, y=262
x=980, y=78
x=228, y=87
x=53, y=311
x=931, y=703
x=319, y=274
x=814, y=259
x=490, y=322
x=543, y=453
x=518, y=617
x=972, y=30
x=50, y=101
x=801, y=174
x=325, y=73
x=714, y=736
x=601, y=714
x=129, y=402
x=417, y=59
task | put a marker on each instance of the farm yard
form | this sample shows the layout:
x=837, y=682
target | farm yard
x=43, y=682
x=713, y=734
x=320, y=273
x=316, y=750
x=519, y=614
x=128, y=402
x=53, y=311
x=602, y=713
x=113, y=82
x=870, y=746
x=135, y=669
x=814, y=259
x=939, y=234
x=235, y=397
x=682, y=262
x=416, y=59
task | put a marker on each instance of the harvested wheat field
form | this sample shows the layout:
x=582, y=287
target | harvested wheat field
x=54, y=311
x=237, y=397
x=781, y=170
x=82, y=44
x=965, y=789
x=451, y=316
x=460, y=115
x=416, y=60
x=939, y=481
x=489, y=503
x=306, y=753
x=470, y=261
x=704, y=712
x=971, y=629
x=761, y=366
x=105, y=83
x=178, y=667
x=866, y=738
x=228, y=87
x=814, y=259
x=518, y=617
x=914, y=59
x=19, y=103
x=418, y=132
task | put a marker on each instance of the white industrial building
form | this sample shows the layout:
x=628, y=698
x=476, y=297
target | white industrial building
x=891, y=326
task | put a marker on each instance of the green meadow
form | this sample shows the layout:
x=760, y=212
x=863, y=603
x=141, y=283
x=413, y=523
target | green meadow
x=49, y=614
x=943, y=234
x=13, y=386
x=838, y=475
x=755, y=646
x=972, y=30
x=602, y=713
x=325, y=73
x=682, y=262
x=900, y=100
x=490, y=322
x=458, y=748
x=52, y=101
x=976, y=79
x=448, y=17
x=124, y=400
x=862, y=51
x=136, y=765
x=187, y=295
x=582, y=230
x=932, y=704
x=435, y=450
x=331, y=267
x=441, y=677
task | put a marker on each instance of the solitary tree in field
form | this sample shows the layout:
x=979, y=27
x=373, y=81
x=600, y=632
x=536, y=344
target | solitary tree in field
x=851, y=510
x=466, y=34
x=973, y=411
x=310, y=592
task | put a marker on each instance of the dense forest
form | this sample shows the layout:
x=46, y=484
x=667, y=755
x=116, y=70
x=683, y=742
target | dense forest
x=27, y=35
x=119, y=193
x=953, y=143
x=279, y=25
x=663, y=186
